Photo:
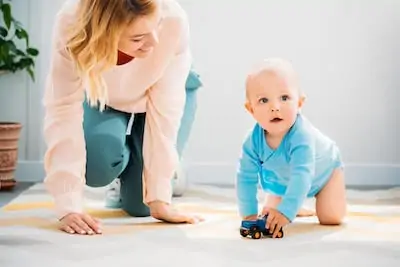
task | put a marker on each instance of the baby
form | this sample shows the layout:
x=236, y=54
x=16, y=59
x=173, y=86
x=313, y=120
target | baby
x=286, y=154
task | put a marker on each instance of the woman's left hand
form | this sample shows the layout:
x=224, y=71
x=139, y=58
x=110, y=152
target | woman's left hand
x=162, y=211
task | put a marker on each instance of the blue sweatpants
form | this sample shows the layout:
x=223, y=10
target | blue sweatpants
x=192, y=84
x=111, y=153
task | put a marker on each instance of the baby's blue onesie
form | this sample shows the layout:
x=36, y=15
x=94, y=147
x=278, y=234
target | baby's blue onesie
x=297, y=169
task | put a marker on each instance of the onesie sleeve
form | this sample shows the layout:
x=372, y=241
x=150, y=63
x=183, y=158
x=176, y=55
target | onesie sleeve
x=247, y=177
x=302, y=166
x=165, y=104
x=65, y=156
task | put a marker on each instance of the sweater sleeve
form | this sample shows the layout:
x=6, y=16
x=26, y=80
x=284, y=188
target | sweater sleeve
x=247, y=178
x=165, y=104
x=65, y=157
x=302, y=164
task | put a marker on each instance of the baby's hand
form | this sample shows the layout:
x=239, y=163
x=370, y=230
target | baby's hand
x=275, y=221
x=250, y=217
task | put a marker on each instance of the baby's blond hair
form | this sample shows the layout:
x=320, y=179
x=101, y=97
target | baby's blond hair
x=277, y=66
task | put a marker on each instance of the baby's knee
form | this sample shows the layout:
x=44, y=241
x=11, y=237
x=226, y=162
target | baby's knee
x=331, y=221
x=331, y=215
x=331, y=218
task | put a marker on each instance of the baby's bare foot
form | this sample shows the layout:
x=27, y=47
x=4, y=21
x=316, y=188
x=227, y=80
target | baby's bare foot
x=305, y=213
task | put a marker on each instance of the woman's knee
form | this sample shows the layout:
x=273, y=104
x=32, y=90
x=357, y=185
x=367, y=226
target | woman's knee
x=106, y=158
x=105, y=137
x=137, y=211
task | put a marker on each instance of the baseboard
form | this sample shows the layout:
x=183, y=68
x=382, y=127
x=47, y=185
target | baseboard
x=373, y=175
x=224, y=173
x=30, y=171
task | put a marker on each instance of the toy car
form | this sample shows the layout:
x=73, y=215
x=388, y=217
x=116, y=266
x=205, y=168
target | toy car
x=257, y=228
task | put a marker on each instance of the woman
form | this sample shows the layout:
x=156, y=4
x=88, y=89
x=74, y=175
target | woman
x=114, y=100
x=193, y=83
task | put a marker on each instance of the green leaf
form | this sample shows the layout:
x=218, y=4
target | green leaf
x=31, y=74
x=12, y=57
x=6, y=8
x=4, y=51
x=22, y=34
x=3, y=31
x=32, y=51
x=11, y=46
x=19, y=52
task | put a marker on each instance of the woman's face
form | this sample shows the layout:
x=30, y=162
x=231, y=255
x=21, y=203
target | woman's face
x=139, y=39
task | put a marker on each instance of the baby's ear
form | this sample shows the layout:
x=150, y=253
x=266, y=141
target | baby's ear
x=302, y=99
x=248, y=107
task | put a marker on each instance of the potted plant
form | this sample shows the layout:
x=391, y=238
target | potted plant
x=16, y=54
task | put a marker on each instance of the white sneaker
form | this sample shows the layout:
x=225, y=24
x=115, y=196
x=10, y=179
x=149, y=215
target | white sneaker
x=113, y=194
x=179, y=182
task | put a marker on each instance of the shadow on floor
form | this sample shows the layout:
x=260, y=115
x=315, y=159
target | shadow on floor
x=7, y=196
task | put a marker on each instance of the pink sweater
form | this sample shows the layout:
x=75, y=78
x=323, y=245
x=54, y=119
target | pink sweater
x=155, y=85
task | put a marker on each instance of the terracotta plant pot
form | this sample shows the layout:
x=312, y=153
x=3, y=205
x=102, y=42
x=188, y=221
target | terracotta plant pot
x=9, y=137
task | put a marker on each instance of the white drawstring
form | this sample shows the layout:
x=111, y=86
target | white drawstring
x=130, y=123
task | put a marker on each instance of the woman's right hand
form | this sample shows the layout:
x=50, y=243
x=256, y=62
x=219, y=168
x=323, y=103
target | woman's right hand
x=78, y=223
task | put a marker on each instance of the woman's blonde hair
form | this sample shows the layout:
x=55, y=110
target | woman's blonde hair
x=94, y=37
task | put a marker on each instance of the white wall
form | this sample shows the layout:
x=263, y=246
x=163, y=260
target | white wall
x=346, y=52
x=20, y=98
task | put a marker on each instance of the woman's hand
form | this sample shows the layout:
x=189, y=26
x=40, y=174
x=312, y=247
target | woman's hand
x=77, y=223
x=162, y=211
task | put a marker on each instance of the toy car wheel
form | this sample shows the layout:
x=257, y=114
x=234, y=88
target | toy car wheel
x=256, y=235
x=267, y=234
x=244, y=232
x=280, y=234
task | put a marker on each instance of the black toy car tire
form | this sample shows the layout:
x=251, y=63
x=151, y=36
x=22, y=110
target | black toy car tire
x=281, y=232
x=268, y=234
x=256, y=234
x=243, y=232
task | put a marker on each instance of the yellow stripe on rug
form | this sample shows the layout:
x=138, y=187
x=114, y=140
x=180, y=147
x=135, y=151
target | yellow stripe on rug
x=221, y=221
x=198, y=208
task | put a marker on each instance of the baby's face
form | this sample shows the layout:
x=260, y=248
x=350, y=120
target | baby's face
x=272, y=102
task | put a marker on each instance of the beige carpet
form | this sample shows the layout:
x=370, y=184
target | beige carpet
x=370, y=236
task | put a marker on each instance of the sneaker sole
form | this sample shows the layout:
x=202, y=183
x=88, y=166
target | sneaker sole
x=113, y=204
